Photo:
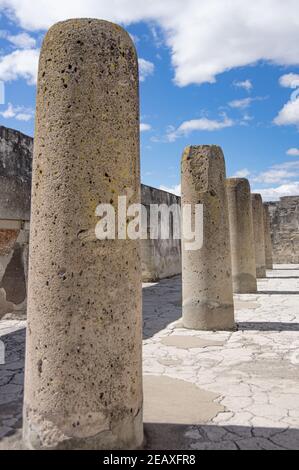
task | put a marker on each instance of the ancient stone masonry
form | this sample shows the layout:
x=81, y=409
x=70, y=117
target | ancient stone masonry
x=284, y=221
x=83, y=378
x=241, y=235
x=207, y=277
x=15, y=180
x=15, y=174
x=160, y=258
x=259, y=237
x=267, y=235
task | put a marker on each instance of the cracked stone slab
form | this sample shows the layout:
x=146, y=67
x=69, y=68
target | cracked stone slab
x=245, y=305
x=188, y=342
x=253, y=375
x=168, y=400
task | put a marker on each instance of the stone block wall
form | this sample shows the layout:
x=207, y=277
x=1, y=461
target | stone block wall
x=284, y=216
x=15, y=174
x=160, y=258
x=15, y=180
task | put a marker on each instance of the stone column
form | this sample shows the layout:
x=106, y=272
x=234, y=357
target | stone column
x=259, y=239
x=268, y=241
x=83, y=384
x=241, y=235
x=207, y=277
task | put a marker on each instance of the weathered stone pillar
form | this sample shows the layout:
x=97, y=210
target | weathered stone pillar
x=268, y=241
x=207, y=278
x=241, y=235
x=258, y=230
x=83, y=385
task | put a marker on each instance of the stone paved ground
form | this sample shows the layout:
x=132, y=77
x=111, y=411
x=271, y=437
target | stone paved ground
x=203, y=390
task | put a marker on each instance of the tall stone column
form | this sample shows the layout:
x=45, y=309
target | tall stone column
x=207, y=278
x=259, y=238
x=83, y=385
x=241, y=235
x=268, y=241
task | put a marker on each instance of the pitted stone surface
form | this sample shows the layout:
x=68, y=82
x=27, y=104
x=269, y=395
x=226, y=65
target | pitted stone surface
x=253, y=374
x=241, y=235
x=259, y=235
x=206, y=272
x=83, y=360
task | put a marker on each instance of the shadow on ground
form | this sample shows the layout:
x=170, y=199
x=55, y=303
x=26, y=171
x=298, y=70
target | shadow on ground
x=158, y=311
x=161, y=306
x=278, y=292
x=207, y=437
x=12, y=383
x=268, y=326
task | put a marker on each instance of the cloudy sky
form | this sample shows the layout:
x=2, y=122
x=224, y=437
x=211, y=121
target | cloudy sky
x=220, y=72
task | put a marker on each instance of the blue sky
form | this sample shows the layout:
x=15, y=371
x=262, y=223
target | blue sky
x=231, y=84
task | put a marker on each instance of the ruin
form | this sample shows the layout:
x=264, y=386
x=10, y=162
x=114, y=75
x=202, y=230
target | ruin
x=241, y=235
x=160, y=258
x=206, y=273
x=15, y=179
x=267, y=236
x=83, y=377
x=83, y=387
x=284, y=221
x=259, y=236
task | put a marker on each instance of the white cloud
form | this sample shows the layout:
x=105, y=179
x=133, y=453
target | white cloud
x=244, y=173
x=284, y=175
x=289, y=114
x=290, y=80
x=146, y=68
x=273, y=176
x=20, y=113
x=293, y=152
x=20, y=64
x=281, y=173
x=202, y=124
x=242, y=104
x=145, y=127
x=271, y=194
x=245, y=102
x=22, y=41
x=246, y=85
x=174, y=189
x=206, y=37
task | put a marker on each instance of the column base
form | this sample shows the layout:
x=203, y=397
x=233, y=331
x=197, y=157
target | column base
x=244, y=284
x=209, y=318
x=42, y=434
x=261, y=272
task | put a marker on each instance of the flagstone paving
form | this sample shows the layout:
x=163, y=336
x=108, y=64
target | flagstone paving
x=203, y=390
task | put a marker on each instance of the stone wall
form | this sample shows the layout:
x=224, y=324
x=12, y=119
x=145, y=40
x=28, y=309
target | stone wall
x=15, y=179
x=284, y=216
x=160, y=258
x=15, y=174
